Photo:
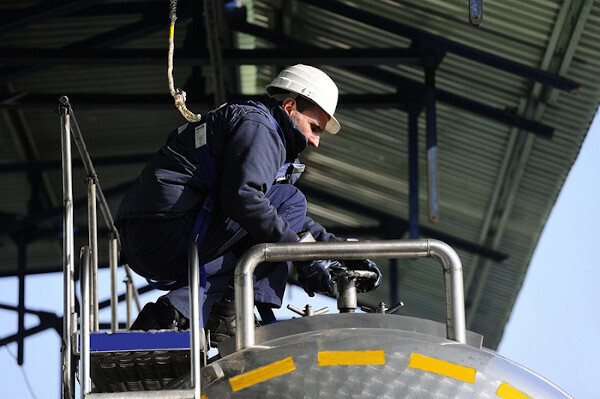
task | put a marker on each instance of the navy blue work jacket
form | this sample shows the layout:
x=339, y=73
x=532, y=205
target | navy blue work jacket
x=247, y=152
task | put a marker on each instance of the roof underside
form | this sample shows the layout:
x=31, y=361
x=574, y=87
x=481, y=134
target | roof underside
x=514, y=99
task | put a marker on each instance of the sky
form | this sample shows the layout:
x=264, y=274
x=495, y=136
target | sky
x=554, y=328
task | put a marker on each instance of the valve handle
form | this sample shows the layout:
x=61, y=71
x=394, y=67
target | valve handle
x=382, y=308
x=353, y=274
x=308, y=310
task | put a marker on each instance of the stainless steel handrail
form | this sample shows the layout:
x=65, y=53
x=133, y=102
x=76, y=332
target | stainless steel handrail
x=86, y=319
x=70, y=128
x=196, y=333
x=69, y=321
x=396, y=249
x=65, y=108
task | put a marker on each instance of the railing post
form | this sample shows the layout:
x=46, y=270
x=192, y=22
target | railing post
x=113, y=248
x=195, y=314
x=93, y=245
x=68, y=369
x=86, y=310
x=128, y=301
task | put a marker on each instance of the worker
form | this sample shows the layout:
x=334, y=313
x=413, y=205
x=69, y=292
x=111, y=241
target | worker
x=226, y=183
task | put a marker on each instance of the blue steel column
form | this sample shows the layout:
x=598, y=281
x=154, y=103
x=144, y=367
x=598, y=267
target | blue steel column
x=432, y=193
x=413, y=169
x=393, y=281
x=22, y=262
x=475, y=12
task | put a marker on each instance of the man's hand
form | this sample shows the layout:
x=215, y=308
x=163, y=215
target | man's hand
x=314, y=276
x=364, y=264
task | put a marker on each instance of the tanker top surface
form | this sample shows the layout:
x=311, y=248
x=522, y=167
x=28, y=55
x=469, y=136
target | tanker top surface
x=366, y=356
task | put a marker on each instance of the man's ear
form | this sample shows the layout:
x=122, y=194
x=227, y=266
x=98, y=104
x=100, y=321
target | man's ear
x=289, y=105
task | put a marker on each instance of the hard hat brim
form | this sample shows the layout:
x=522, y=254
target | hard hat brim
x=333, y=126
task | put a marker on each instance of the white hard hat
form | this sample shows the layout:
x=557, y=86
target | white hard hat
x=313, y=84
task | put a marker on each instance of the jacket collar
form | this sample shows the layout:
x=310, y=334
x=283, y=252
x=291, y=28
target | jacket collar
x=295, y=142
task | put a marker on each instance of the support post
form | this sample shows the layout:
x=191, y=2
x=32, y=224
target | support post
x=86, y=311
x=93, y=245
x=393, y=279
x=430, y=107
x=413, y=170
x=113, y=248
x=195, y=314
x=68, y=369
x=22, y=262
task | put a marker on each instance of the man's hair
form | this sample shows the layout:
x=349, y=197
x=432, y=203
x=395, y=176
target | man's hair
x=302, y=103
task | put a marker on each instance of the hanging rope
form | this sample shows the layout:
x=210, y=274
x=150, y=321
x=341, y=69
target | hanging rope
x=178, y=94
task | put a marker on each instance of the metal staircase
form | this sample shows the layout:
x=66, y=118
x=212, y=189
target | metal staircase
x=116, y=364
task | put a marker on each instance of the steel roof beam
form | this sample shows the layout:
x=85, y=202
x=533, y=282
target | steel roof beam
x=150, y=24
x=484, y=57
x=35, y=166
x=347, y=101
x=414, y=89
x=231, y=57
x=125, y=8
x=23, y=17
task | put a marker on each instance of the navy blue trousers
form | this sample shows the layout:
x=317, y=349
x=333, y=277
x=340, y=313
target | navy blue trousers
x=157, y=249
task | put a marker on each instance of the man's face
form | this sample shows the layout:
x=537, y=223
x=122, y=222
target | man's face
x=311, y=122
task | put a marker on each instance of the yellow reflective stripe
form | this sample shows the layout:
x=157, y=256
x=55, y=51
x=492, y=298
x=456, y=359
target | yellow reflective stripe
x=452, y=370
x=345, y=358
x=172, y=31
x=261, y=374
x=506, y=391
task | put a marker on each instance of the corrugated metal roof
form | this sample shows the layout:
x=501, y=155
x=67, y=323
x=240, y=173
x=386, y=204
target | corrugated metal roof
x=497, y=183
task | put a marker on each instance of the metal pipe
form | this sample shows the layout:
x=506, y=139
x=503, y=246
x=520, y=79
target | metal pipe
x=454, y=290
x=93, y=244
x=86, y=311
x=194, y=284
x=114, y=296
x=68, y=370
x=244, y=295
x=128, y=300
x=347, y=300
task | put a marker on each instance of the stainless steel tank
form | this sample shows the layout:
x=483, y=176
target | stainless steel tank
x=350, y=355
x=357, y=355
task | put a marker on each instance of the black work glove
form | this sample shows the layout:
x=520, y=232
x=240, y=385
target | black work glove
x=364, y=264
x=314, y=276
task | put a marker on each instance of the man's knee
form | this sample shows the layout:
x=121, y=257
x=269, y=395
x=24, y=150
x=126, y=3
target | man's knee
x=282, y=195
x=290, y=204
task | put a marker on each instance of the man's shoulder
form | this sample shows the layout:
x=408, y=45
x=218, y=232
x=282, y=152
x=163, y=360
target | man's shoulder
x=244, y=109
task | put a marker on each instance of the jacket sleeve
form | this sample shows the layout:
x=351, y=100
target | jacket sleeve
x=318, y=232
x=252, y=156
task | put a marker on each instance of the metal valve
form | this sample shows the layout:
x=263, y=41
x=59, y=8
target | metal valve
x=346, y=287
x=308, y=310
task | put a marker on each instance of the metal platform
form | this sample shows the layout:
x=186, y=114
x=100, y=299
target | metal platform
x=139, y=361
